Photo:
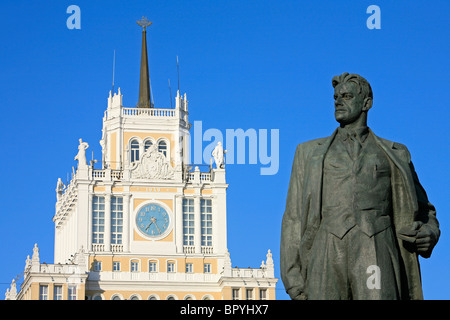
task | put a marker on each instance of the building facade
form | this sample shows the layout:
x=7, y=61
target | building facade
x=147, y=225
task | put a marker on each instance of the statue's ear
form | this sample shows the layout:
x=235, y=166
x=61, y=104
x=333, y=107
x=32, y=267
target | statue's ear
x=367, y=104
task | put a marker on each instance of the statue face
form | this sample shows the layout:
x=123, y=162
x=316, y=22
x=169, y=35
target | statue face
x=348, y=103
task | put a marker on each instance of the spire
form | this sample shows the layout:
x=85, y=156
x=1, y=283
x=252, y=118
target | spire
x=144, y=82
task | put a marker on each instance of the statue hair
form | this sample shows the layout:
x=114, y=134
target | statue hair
x=363, y=84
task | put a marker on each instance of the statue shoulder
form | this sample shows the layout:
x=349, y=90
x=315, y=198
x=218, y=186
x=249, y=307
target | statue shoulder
x=311, y=144
x=306, y=148
x=398, y=148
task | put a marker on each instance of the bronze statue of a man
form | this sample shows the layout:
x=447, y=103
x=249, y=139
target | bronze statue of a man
x=356, y=215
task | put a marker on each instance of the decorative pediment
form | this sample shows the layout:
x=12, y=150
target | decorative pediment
x=152, y=165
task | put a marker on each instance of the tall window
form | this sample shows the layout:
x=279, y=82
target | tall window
x=162, y=147
x=189, y=268
x=188, y=222
x=72, y=295
x=43, y=292
x=98, y=219
x=57, y=293
x=116, y=220
x=262, y=294
x=134, y=150
x=249, y=294
x=206, y=221
x=207, y=268
x=147, y=144
x=235, y=294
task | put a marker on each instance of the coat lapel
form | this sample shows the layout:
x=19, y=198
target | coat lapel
x=313, y=202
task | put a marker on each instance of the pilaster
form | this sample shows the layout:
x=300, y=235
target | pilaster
x=197, y=225
x=89, y=222
x=179, y=223
x=83, y=218
x=126, y=222
x=107, y=231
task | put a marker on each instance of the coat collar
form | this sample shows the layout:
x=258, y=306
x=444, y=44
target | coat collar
x=360, y=133
x=397, y=155
x=323, y=145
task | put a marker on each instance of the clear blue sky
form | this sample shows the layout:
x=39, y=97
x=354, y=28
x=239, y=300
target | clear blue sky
x=244, y=64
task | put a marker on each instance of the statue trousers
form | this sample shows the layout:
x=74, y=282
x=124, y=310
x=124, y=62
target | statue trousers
x=357, y=267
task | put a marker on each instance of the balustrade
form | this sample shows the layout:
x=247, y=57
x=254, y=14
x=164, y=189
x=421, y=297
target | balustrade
x=152, y=276
x=152, y=112
x=207, y=250
x=98, y=247
x=188, y=249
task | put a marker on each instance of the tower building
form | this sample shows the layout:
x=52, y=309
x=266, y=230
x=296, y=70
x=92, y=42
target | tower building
x=148, y=224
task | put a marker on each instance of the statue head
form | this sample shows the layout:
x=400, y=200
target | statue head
x=353, y=98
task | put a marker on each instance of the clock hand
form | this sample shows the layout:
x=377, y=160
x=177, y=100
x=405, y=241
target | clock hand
x=148, y=226
x=157, y=228
x=152, y=220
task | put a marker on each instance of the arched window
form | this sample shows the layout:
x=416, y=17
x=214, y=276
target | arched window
x=162, y=147
x=134, y=150
x=147, y=144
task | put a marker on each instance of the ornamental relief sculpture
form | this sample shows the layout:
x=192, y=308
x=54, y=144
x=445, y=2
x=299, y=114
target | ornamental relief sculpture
x=152, y=165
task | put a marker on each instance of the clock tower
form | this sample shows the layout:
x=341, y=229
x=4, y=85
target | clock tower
x=146, y=224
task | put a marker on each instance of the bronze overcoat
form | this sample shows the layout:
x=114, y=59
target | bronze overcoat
x=302, y=216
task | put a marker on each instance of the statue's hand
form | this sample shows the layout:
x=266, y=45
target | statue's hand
x=301, y=296
x=425, y=240
x=421, y=236
x=297, y=294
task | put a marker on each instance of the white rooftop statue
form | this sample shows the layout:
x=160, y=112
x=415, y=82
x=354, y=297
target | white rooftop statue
x=219, y=155
x=81, y=155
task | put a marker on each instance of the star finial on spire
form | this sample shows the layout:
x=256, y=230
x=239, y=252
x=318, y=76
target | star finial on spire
x=144, y=22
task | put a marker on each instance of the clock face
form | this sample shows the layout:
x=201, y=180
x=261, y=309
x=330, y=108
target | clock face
x=152, y=220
